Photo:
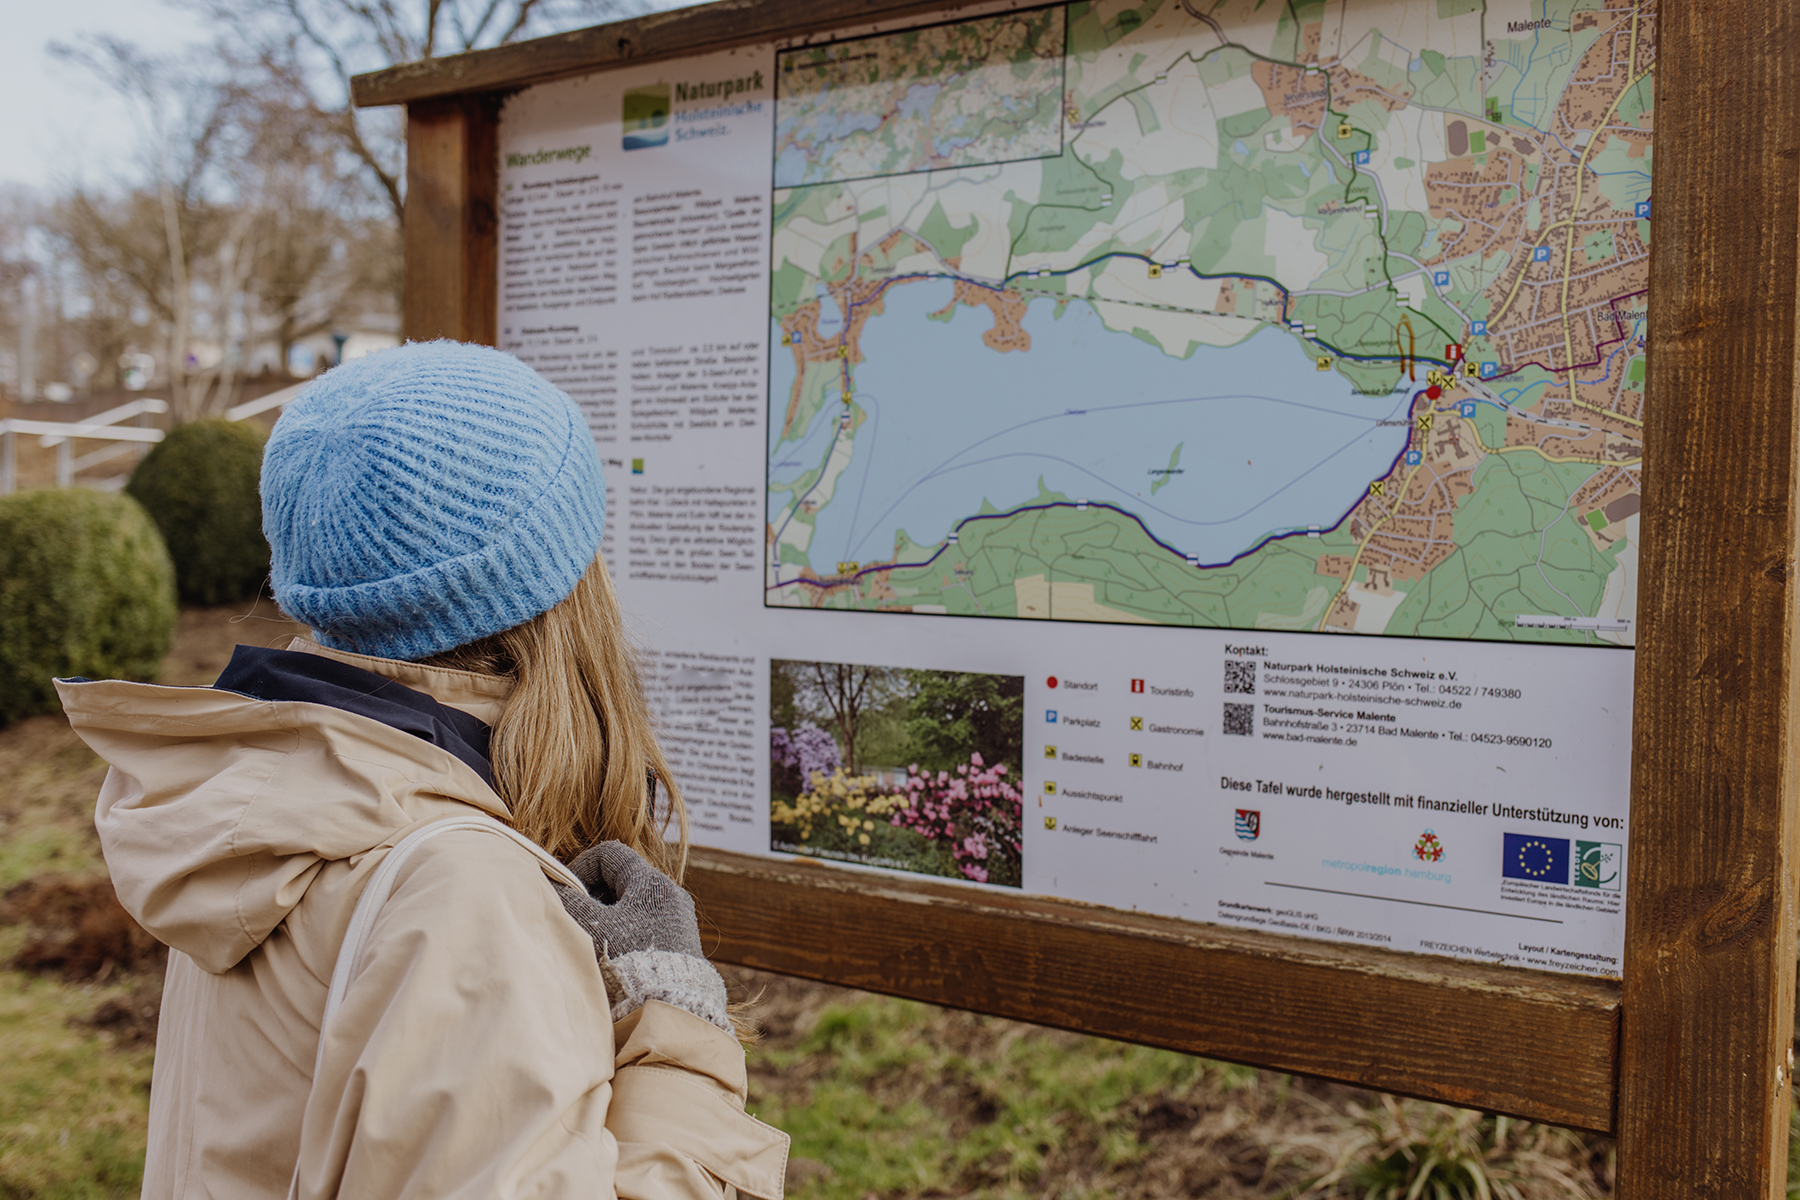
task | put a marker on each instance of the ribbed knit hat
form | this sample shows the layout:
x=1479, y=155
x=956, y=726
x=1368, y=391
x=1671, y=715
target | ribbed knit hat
x=427, y=496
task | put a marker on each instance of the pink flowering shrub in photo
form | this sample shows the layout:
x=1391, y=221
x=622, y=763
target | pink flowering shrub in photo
x=975, y=809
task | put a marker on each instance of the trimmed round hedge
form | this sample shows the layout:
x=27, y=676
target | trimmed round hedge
x=199, y=485
x=86, y=588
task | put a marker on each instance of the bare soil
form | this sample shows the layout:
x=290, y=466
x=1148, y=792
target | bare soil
x=73, y=924
x=131, y=1018
x=205, y=637
x=77, y=929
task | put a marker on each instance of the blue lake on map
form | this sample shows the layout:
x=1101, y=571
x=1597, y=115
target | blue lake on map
x=1269, y=443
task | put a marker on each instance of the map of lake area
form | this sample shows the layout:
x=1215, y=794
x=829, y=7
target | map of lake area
x=1311, y=317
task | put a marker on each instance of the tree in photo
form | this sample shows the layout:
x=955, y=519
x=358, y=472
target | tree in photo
x=796, y=755
x=847, y=693
x=956, y=712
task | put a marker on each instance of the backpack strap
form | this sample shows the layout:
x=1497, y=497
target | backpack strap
x=381, y=885
x=375, y=894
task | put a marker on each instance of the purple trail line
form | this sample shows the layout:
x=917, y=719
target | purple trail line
x=1598, y=346
x=846, y=580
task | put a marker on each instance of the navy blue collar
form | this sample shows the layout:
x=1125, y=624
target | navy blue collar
x=315, y=679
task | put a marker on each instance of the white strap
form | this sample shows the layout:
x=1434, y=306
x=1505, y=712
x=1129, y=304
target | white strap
x=375, y=894
x=381, y=885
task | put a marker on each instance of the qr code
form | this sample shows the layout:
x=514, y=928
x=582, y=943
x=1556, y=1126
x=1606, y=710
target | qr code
x=1240, y=719
x=1240, y=678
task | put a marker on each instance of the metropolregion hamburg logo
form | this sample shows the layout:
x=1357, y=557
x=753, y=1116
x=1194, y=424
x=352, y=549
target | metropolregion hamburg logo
x=1428, y=848
x=1542, y=859
x=1249, y=824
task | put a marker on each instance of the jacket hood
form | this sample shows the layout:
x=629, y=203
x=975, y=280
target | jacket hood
x=221, y=808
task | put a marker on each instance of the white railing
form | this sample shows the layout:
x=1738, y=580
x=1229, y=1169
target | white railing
x=106, y=427
x=251, y=408
x=112, y=416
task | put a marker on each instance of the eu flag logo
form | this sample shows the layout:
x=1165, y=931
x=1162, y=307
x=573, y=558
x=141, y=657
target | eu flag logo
x=1528, y=856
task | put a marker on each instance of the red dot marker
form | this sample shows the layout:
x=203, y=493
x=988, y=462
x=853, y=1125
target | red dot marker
x=1052, y=681
x=1433, y=392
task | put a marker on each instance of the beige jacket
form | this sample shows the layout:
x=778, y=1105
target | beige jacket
x=474, y=1055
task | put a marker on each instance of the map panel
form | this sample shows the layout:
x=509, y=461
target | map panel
x=1313, y=317
x=946, y=96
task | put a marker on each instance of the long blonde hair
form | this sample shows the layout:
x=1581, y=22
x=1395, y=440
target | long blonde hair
x=574, y=752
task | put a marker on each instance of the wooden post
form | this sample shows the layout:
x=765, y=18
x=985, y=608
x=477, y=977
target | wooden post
x=451, y=226
x=1710, y=947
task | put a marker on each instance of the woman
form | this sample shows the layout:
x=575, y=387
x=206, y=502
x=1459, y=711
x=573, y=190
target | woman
x=434, y=514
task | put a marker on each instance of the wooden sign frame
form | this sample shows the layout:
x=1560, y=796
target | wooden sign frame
x=1688, y=1060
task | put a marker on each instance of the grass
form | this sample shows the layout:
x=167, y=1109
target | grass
x=73, y=1104
x=47, y=801
x=74, y=1107
x=74, y=1099
x=996, y=1110
x=890, y=1098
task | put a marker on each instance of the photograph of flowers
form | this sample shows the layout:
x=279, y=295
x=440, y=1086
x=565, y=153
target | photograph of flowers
x=894, y=767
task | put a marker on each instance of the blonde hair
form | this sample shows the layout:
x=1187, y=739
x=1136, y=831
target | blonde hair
x=574, y=752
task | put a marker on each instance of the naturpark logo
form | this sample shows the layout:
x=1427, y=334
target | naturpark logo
x=646, y=116
x=648, y=111
x=572, y=154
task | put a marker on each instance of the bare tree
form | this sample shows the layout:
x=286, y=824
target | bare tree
x=171, y=237
x=263, y=206
x=326, y=245
x=311, y=48
x=247, y=222
x=111, y=315
x=17, y=293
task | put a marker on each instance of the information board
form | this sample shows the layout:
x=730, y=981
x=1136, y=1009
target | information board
x=1183, y=459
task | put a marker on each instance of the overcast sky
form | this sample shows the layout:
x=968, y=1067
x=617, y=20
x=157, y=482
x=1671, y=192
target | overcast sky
x=62, y=122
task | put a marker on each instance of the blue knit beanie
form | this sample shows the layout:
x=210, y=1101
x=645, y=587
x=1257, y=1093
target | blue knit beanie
x=428, y=496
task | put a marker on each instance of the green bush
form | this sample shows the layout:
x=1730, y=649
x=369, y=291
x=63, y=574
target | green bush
x=199, y=485
x=85, y=589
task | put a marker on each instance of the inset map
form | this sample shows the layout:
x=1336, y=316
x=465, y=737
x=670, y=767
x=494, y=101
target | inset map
x=946, y=96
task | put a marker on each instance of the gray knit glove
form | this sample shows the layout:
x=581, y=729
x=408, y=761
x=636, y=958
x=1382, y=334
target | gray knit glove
x=645, y=935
